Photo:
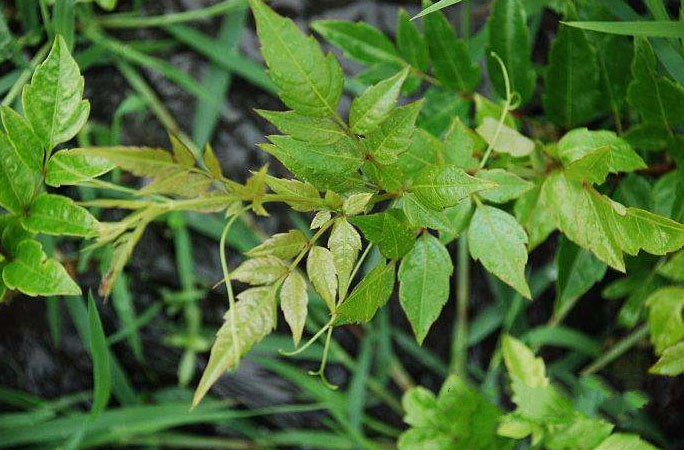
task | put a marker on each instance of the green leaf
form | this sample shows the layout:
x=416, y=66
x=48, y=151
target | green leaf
x=320, y=266
x=181, y=153
x=674, y=268
x=356, y=203
x=373, y=106
x=255, y=316
x=442, y=106
x=17, y=181
x=25, y=142
x=645, y=28
x=671, y=363
x=665, y=321
x=388, y=230
x=509, y=38
x=301, y=196
x=369, y=295
x=34, y=274
x=535, y=210
x=622, y=441
x=394, y=134
x=53, y=101
x=308, y=82
x=486, y=108
x=211, y=162
x=504, y=139
x=592, y=155
x=450, y=57
x=425, y=151
x=316, y=130
x=461, y=144
x=69, y=167
x=572, y=81
x=59, y=215
x=293, y=301
x=99, y=353
x=281, y=245
x=424, y=283
x=262, y=270
x=522, y=364
x=616, y=54
x=509, y=185
x=420, y=216
x=498, y=241
x=445, y=186
x=578, y=270
x=441, y=4
x=360, y=41
x=140, y=161
x=411, y=43
x=344, y=244
x=658, y=99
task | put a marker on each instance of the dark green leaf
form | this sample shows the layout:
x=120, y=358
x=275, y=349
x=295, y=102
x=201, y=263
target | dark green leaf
x=388, y=230
x=360, y=41
x=99, y=353
x=369, y=295
x=445, y=186
x=373, y=106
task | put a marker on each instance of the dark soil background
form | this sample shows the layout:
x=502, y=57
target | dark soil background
x=29, y=361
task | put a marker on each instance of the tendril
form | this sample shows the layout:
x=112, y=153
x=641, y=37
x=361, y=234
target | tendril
x=321, y=370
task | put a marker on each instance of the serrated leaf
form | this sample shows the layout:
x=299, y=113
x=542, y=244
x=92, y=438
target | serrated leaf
x=461, y=144
x=369, y=295
x=441, y=107
x=522, y=364
x=425, y=151
x=665, y=321
x=53, y=102
x=674, y=268
x=359, y=41
x=344, y=244
x=261, y=270
x=592, y=155
x=388, y=230
x=177, y=181
x=509, y=185
x=281, y=245
x=30, y=271
x=671, y=363
x=293, y=301
x=411, y=43
x=181, y=153
x=356, y=203
x=504, y=139
x=623, y=441
x=24, y=140
x=373, y=106
x=450, y=57
x=69, y=167
x=320, y=266
x=17, y=182
x=301, y=196
x=459, y=217
x=140, y=161
x=424, y=283
x=420, y=216
x=308, y=82
x=58, y=215
x=211, y=162
x=320, y=218
x=394, y=134
x=255, y=316
x=316, y=130
x=572, y=96
x=499, y=242
x=445, y=186
x=509, y=38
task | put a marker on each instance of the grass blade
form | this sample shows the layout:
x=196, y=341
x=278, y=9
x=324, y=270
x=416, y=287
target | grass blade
x=100, y=355
x=436, y=7
x=664, y=29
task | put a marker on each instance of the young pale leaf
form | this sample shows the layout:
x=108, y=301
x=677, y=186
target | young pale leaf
x=281, y=245
x=671, y=363
x=522, y=364
x=622, y=441
x=301, y=196
x=572, y=80
x=356, y=203
x=344, y=244
x=255, y=317
x=424, y=283
x=445, y=186
x=420, y=216
x=69, y=167
x=99, y=353
x=320, y=266
x=181, y=153
x=665, y=317
x=509, y=185
x=262, y=270
x=509, y=38
x=34, y=274
x=578, y=270
x=450, y=56
x=211, y=162
x=316, y=130
x=52, y=102
x=17, y=182
x=388, y=230
x=504, y=139
x=674, y=268
x=592, y=155
x=369, y=295
x=24, y=140
x=140, y=161
x=411, y=43
x=320, y=219
x=59, y=215
x=360, y=41
x=498, y=241
x=293, y=301
x=372, y=107
x=486, y=108
x=308, y=82
x=394, y=134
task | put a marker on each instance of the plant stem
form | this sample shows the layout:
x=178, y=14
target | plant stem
x=618, y=350
x=459, y=347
